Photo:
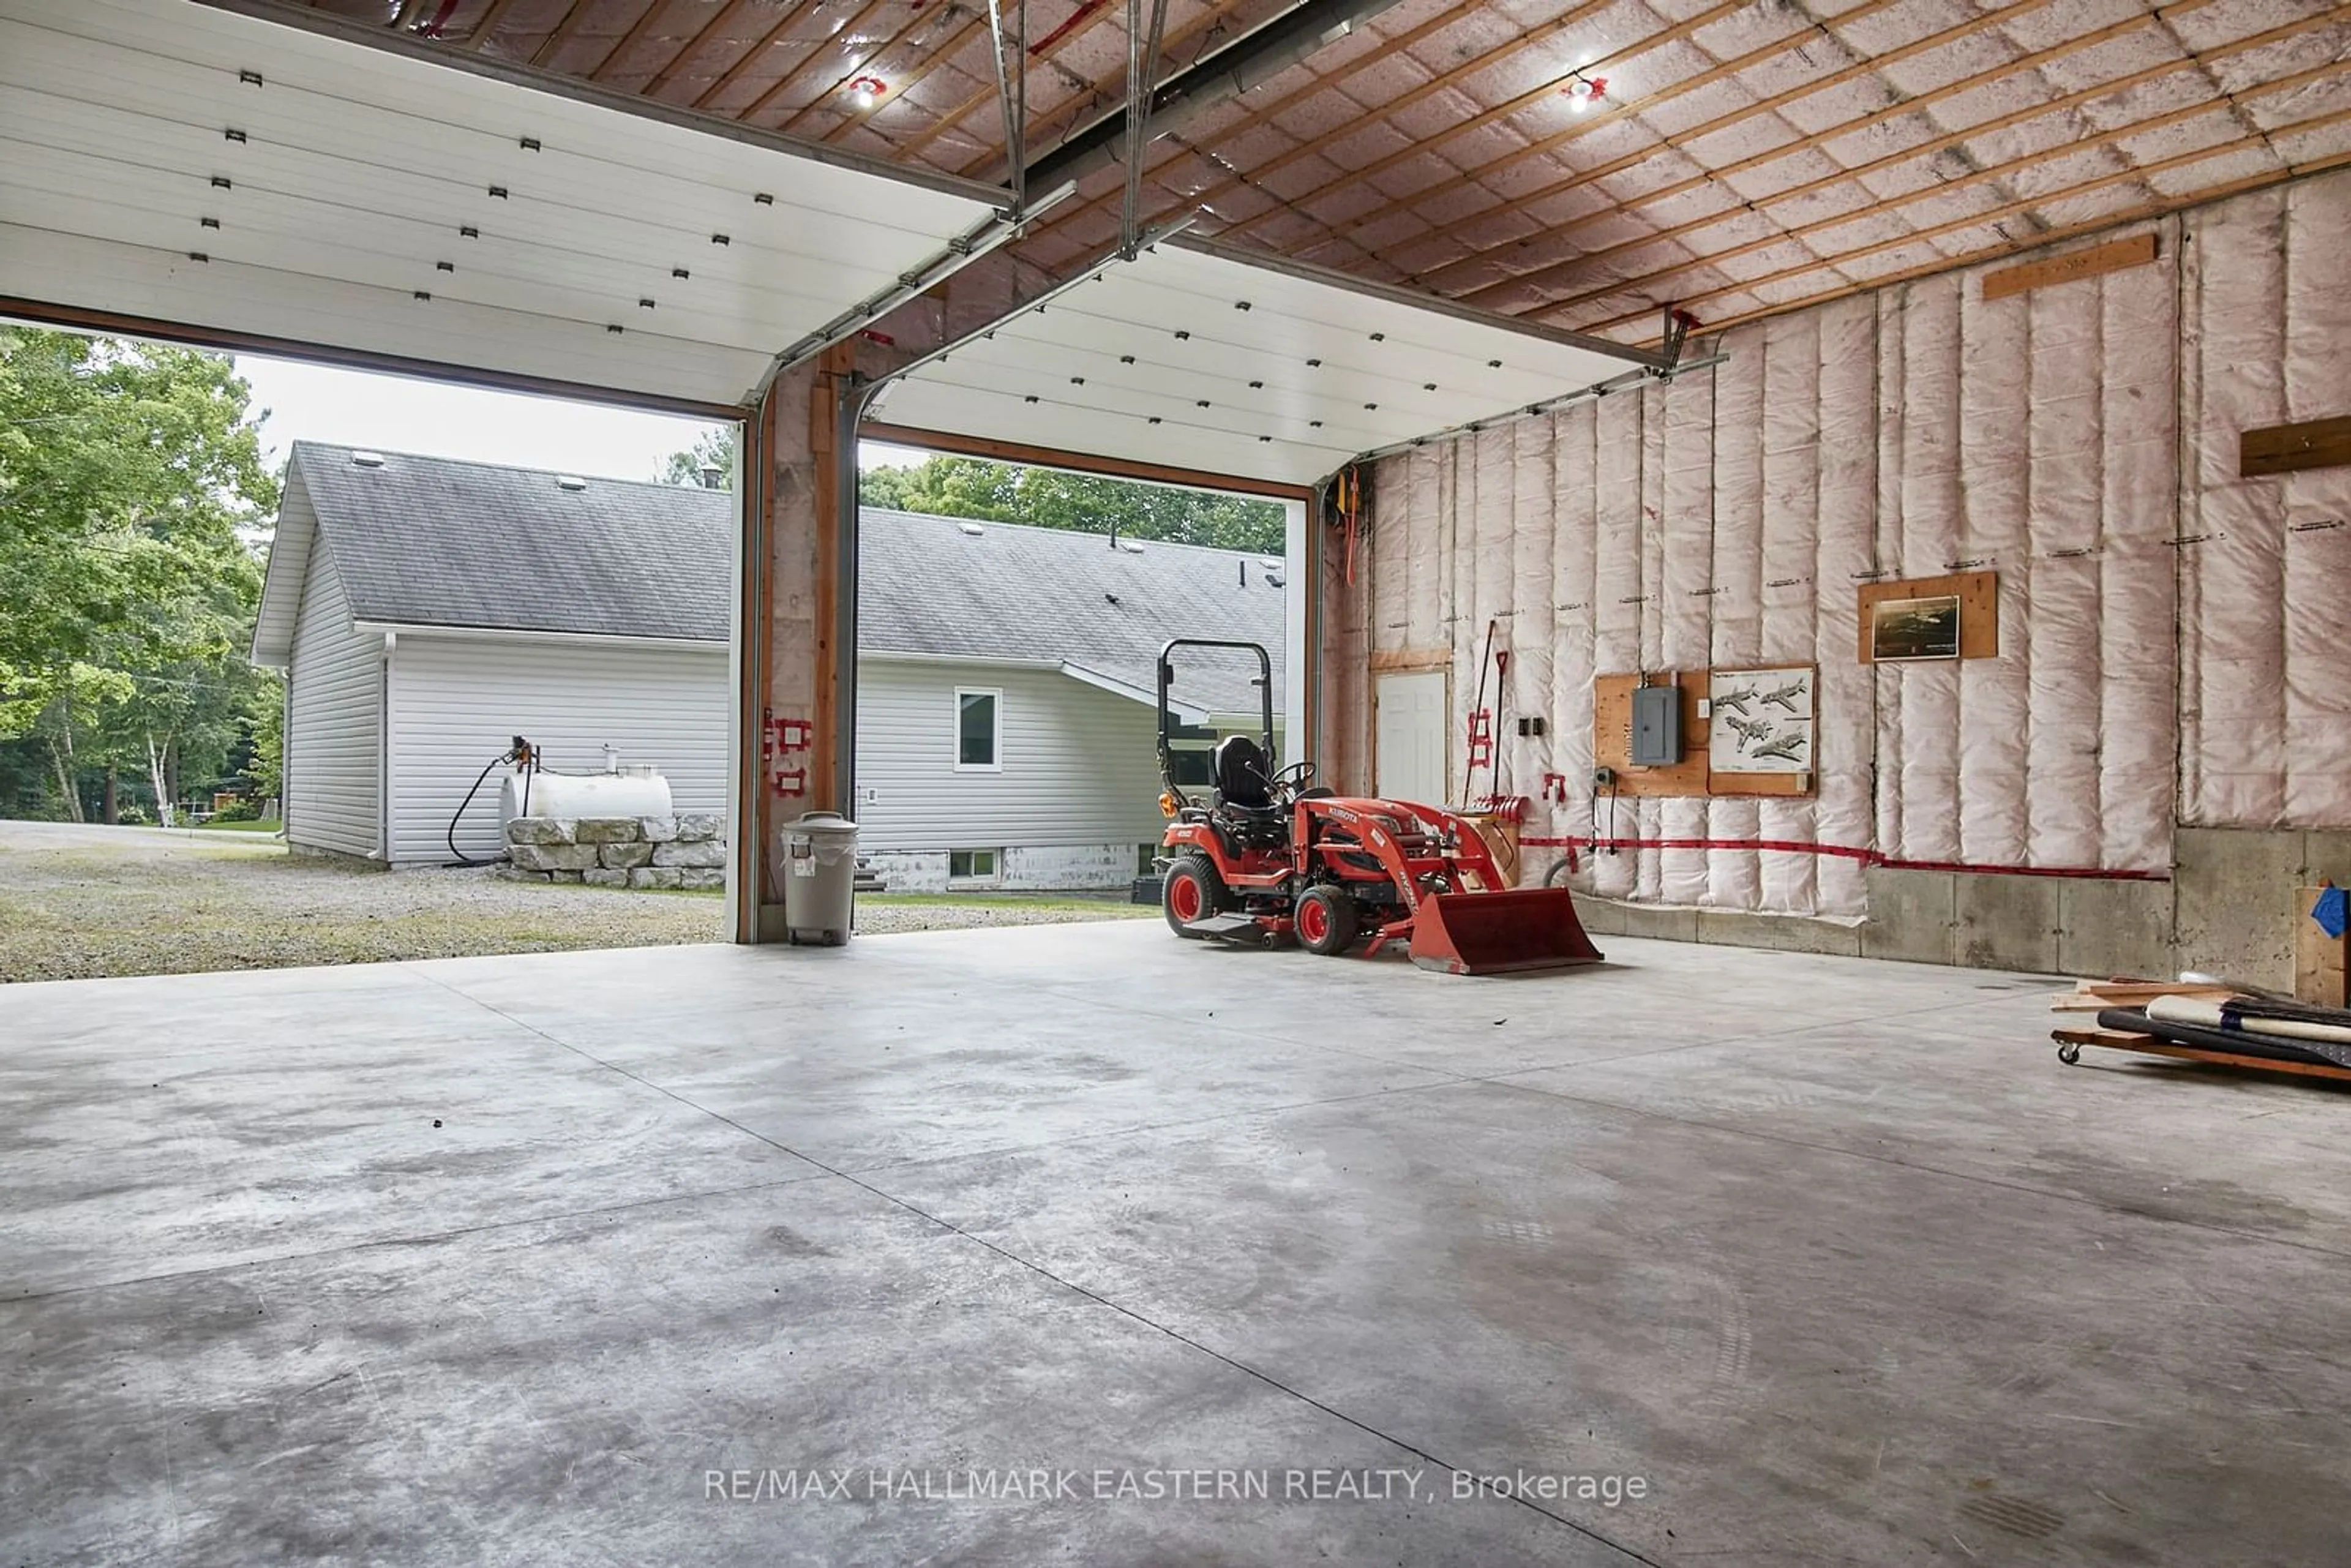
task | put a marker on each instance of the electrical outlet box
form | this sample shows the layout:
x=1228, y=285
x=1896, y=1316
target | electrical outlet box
x=1530, y=725
x=1656, y=726
x=1604, y=778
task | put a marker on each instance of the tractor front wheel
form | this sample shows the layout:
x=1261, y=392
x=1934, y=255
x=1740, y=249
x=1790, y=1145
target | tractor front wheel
x=1192, y=891
x=1326, y=920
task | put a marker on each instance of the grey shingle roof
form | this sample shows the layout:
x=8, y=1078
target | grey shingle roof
x=437, y=542
x=1053, y=595
x=432, y=541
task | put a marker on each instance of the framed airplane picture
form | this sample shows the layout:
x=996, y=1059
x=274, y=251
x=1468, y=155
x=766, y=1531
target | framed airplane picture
x=1760, y=721
x=1905, y=630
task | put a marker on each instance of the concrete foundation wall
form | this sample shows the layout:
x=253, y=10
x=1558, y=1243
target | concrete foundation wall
x=2227, y=909
x=1045, y=868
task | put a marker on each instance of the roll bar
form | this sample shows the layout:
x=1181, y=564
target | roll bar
x=1167, y=677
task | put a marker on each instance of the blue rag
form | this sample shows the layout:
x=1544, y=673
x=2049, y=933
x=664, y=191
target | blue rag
x=2333, y=912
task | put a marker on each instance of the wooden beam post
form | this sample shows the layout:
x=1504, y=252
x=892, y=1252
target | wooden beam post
x=792, y=715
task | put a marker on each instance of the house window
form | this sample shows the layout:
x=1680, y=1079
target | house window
x=1147, y=858
x=965, y=865
x=979, y=729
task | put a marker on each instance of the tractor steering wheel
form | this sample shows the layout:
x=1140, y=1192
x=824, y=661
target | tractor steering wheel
x=1289, y=780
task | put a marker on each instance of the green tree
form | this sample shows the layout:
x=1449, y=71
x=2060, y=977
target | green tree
x=131, y=478
x=951, y=486
x=714, y=448
x=265, y=734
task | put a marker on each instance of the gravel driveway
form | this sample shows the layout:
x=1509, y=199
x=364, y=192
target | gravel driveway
x=77, y=901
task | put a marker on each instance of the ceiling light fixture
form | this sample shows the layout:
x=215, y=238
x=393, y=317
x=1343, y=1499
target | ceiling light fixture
x=1584, y=91
x=867, y=90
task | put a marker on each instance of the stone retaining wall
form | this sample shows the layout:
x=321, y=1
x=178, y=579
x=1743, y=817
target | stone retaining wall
x=680, y=851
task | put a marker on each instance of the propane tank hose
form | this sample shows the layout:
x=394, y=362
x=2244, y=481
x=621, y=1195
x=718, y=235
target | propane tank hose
x=521, y=753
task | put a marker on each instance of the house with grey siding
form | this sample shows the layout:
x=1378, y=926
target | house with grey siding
x=426, y=611
x=1007, y=694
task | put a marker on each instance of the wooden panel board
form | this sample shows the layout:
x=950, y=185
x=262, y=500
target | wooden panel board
x=2318, y=958
x=1612, y=745
x=1411, y=659
x=2288, y=449
x=2071, y=267
x=1612, y=733
x=1978, y=594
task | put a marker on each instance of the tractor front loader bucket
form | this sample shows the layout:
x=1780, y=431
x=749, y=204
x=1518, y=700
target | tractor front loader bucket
x=1497, y=933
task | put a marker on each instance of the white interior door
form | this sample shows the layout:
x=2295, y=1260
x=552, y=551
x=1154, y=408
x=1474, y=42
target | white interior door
x=1409, y=736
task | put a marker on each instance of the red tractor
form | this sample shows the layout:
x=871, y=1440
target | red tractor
x=1268, y=857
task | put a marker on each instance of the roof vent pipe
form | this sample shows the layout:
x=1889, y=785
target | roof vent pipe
x=712, y=476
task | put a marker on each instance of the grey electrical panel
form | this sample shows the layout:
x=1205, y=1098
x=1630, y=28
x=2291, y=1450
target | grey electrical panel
x=1656, y=726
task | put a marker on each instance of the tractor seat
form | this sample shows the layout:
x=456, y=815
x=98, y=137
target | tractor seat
x=1241, y=771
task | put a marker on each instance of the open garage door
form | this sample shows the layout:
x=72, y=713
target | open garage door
x=1193, y=356
x=181, y=165
x=1193, y=363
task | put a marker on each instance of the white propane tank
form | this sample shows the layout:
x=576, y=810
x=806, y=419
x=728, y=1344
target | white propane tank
x=637, y=791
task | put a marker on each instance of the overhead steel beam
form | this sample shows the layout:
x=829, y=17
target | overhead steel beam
x=1257, y=57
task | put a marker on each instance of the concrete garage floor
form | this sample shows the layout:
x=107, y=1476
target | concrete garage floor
x=1833, y=1256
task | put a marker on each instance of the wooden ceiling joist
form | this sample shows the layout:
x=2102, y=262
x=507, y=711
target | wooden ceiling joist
x=1901, y=110
x=2146, y=212
x=756, y=56
x=628, y=40
x=1413, y=96
x=2257, y=142
x=1928, y=192
x=1614, y=59
x=1740, y=116
x=488, y=28
x=561, y=34
x=693, y=46
x=1586, y=125
x=904, y=78
x=1053, y=119
x=1266, y=114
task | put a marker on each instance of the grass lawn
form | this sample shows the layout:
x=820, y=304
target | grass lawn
x=217, y=826
x=79, y=901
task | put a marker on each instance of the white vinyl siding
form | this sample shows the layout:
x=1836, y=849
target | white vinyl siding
x=456, y=702
x=1076, y=764
x=334, y=721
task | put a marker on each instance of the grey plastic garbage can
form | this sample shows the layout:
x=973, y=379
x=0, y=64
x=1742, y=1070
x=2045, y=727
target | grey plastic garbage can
x=819, y=877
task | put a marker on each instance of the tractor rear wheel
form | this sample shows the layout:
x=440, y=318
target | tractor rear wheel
x=1326, y=920
x=1192, y=891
